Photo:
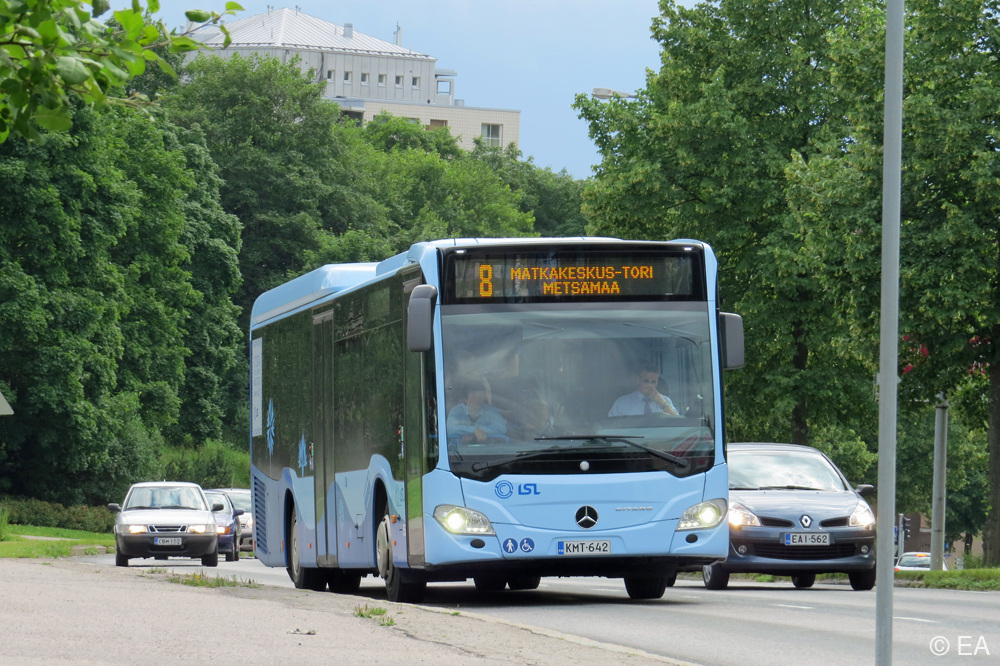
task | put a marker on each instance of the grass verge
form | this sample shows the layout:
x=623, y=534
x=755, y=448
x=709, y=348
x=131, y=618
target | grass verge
x=48, y=542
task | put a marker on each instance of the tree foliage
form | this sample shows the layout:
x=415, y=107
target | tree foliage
x=761, y=133
x=98, y=245
x=55, y=51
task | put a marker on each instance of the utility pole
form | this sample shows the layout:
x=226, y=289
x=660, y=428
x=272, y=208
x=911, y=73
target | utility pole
x=940, y=490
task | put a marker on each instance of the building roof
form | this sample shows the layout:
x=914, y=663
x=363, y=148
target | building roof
x=271, y=29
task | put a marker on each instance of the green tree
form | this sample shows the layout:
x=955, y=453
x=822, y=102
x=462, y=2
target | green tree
x=743, y=91
x=553, y=199
x=285, y=174
x=55, y=51
x=949, y=277
x=104, y=246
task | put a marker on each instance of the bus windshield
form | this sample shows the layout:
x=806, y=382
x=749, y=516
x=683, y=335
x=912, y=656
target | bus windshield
x=578, y=388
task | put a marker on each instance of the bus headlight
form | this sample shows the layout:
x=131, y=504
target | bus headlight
x=703, y=516
x=462, y=520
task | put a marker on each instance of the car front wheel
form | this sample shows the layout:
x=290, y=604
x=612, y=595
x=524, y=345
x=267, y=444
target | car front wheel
x=862, y=580
x=714, y=576
x=803, y=581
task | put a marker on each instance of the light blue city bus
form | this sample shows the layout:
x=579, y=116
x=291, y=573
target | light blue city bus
x=484, y=409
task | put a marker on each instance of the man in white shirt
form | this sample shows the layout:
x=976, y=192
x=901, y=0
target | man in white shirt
x=645, y=399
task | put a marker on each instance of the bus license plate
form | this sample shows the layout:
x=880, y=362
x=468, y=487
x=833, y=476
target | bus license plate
x=591, y=547
x=167, y=541
x=807, y=538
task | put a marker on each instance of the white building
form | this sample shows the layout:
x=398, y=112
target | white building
x=365, y=75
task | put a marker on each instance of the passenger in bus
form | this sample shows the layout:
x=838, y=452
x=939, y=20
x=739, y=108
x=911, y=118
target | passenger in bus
x=645, y=399
x=474, y=420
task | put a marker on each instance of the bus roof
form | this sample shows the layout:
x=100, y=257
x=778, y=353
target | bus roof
x=334, y=278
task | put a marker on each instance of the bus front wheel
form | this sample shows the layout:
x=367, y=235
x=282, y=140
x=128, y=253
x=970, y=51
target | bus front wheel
x=397, y=588
x=645, y=587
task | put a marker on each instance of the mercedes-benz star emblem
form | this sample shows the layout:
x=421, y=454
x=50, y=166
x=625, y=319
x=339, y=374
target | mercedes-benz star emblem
x=806, y=521
x=586, y=517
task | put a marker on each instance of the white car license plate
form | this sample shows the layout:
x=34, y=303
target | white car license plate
x=167, y=541
x=807, y=538
x=592, y=547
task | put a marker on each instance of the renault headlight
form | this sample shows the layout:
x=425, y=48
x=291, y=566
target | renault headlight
x=740, y=516
x=862, y=516
x=703, y=516
x=462, y=520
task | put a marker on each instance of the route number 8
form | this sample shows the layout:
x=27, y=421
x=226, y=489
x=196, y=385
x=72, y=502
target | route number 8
x=485, y=281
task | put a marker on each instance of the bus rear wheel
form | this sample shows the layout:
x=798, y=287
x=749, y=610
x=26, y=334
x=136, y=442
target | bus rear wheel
x=343, y=582
x=302, y=577
x=397, y=587
x=524, y=582
x=645, y=587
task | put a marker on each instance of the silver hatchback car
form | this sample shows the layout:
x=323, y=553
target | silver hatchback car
x=162, y=519
x=793, y=513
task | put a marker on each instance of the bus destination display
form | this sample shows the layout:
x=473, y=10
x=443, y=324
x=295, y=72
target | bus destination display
x=572, y=276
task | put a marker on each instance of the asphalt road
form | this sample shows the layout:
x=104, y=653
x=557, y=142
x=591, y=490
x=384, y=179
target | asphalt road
x=586, y=619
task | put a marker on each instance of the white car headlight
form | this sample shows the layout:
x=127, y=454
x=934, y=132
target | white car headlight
x=201, y=529
x=862, y=516
x=462, y=520
x=134, y=529
x=703, y=516
x=740, y=516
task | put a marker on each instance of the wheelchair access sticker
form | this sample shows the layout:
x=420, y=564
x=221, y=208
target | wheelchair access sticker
x=511, y=546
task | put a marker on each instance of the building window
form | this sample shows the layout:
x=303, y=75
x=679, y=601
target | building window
x=381, y=80
x=437, y=123
x=491, y=136
x=399, y=81
x=329, y=74
x=416, y=82
x=364, y=78
x=347, y=77
x=444, y=87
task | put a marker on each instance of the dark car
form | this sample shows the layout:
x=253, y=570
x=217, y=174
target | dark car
x=228, y=520
x=793, y=513
x=241, y=499
x=162, y=519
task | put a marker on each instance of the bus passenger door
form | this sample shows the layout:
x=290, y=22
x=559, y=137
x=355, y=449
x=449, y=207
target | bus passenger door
x=323, y=442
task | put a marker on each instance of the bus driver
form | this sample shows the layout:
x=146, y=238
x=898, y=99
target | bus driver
x=645, y=399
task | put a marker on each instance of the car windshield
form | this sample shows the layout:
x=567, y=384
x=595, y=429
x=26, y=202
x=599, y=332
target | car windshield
x=909, y=560
x=241, y=501
x=782, y=470
x=165, y=497
x=577, y=389
x=221, y=499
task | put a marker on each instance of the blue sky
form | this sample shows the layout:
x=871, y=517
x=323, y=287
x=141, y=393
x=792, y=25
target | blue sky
x=529, y=55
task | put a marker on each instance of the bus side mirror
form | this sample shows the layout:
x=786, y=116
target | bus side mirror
x=420, y=318
x=732, y=340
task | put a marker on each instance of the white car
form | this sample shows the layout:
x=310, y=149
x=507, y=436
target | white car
x=162, y=519
x=915, y=561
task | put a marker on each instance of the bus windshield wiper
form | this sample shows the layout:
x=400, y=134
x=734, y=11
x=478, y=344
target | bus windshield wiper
x=481, y=465
x=669, y=457
x=789, y=487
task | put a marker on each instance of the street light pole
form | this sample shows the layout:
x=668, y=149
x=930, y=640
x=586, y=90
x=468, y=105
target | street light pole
x=892, y=151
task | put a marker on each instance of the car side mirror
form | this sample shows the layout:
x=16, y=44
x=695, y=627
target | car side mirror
x=865, y=490
x=239, y=512
x=114, y=508
x=218, y=506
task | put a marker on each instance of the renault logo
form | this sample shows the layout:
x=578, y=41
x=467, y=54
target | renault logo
x=586, y=517
x=806, y=521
